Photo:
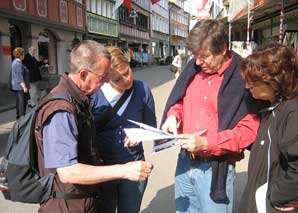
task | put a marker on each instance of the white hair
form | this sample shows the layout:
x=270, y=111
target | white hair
x=85, y=55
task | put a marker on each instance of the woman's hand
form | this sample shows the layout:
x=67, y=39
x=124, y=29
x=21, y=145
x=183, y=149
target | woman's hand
x=129, y=143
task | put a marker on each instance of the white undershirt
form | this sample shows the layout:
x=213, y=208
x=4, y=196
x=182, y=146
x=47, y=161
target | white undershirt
x=113, y=96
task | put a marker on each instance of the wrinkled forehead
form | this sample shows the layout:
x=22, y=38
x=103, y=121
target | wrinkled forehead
x=203, y=52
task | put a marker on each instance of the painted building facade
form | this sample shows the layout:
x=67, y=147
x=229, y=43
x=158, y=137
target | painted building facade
x=52, y=26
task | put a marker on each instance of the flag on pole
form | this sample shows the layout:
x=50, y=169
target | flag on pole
x=154, y=1
x=127, y=4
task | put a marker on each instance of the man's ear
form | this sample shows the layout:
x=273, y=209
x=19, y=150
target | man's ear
x=83, y=74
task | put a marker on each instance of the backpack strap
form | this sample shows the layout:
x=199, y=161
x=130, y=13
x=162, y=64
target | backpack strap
x=54, y=96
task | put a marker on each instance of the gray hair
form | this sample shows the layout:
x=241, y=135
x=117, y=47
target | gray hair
x=85, y=56
x=208, y=33
x=30, y=49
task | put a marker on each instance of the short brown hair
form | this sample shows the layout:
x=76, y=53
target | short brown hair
x=275, y=65
x=118, y=60
x=208, y=33
x=18, y=52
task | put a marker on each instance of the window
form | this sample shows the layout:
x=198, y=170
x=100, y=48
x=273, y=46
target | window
x=98, y=10
x=104, y=8
x=93, y=6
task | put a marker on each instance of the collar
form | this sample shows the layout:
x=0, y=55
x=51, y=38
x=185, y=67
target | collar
x=225, y=65
x=75, y=90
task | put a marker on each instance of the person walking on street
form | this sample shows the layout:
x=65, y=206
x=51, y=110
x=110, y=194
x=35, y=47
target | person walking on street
x=32, y=65
x=19, y=81
x=179, y=62
x=67, y=141
x=210, y=105
x=145, y=57
x=123, y=195
x=271, y=74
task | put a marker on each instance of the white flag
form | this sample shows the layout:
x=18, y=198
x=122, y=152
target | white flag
x=117, y=4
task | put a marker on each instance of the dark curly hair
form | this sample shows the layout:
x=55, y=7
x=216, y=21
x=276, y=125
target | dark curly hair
x=275, y=65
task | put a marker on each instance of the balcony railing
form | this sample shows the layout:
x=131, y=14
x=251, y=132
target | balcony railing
x=102, y=25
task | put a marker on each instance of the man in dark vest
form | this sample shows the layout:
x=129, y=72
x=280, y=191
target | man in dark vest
x=32, y=65
x=210, y=106
x=66, y=143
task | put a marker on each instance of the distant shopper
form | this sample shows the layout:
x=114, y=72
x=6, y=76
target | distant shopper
x=145, y=57
x=32, y=65
x=19, y=81
x=178, y=63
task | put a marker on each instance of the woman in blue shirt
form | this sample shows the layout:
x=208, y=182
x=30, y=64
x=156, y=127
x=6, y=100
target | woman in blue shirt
x=114, y=147
x=19, y=81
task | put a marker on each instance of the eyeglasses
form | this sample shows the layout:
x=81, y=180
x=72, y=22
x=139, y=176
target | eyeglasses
x=101, y=78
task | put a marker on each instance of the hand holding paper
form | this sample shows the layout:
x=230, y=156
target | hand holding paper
x=193, y=142
x=162, y=140
x=146, y=133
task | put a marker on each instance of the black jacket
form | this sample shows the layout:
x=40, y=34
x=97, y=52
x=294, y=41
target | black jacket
x=32, y=65
x=281, y=125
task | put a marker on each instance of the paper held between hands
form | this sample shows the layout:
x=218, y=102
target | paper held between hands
x=146, y=133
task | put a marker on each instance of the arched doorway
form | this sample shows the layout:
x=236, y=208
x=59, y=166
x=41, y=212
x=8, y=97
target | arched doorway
x=47, y=48
x=15, y=37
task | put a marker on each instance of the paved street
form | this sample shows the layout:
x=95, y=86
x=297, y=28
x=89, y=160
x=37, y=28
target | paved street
x=159, y=195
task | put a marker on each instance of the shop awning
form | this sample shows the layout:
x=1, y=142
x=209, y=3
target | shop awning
x=239, y=8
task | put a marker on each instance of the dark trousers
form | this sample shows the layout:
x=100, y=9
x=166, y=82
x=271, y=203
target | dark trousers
x=123, y=195
x=21, y=102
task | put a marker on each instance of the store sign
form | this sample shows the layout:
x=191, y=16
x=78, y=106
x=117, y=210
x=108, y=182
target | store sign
x=80, y=17
x=6, y=50
x=19, y=4
x=42, y=8
x=63, y=11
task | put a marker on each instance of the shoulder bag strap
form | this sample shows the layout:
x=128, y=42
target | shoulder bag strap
x=110, y=114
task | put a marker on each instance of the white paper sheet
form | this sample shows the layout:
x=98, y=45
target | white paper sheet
x=146, y=133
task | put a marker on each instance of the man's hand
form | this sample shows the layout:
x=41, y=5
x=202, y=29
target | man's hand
x=170, y=125
x=137, y=170
x=130, y=143
x=192, y=142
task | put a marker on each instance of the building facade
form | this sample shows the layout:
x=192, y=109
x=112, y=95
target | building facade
x=179, y=26
x=52, y=26
x=102, y=21
x=135, y=27
x=160, y=29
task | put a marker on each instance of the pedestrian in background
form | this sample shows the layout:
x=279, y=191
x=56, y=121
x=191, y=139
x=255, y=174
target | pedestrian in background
x=178, y=62
x=211, y=106
x=67, y=142
x=145, y=57
x=19, y=82
x=32, y=65
x=271, y=74
x=125, y=196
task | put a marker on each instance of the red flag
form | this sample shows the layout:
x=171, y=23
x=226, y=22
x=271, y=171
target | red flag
x=154, y=1
x=127, y=4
